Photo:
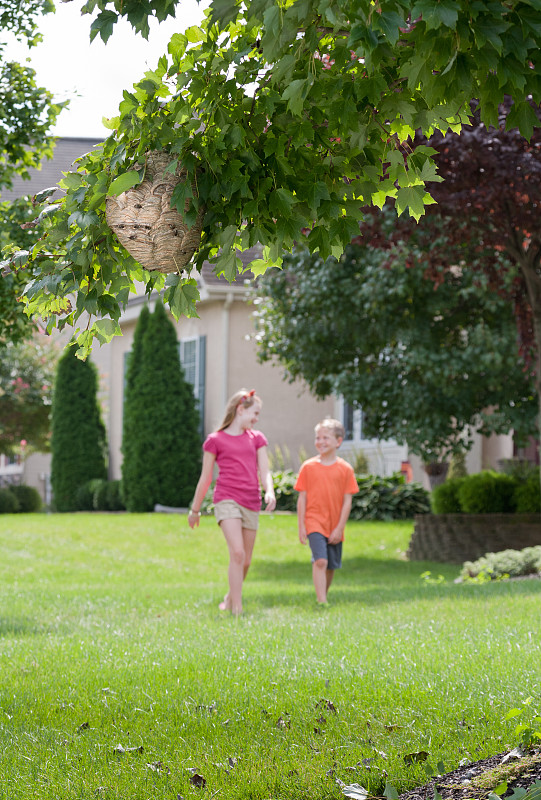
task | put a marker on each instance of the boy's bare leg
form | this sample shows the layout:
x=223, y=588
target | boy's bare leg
x=329, y=576
x=319, y=576
x=240, y=542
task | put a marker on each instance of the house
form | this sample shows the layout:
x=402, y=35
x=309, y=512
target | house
x=219, y=356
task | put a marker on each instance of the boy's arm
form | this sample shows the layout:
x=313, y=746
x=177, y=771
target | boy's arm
x=301, y=516
x=338, y=533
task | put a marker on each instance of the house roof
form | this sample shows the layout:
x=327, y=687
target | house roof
x=67, y=150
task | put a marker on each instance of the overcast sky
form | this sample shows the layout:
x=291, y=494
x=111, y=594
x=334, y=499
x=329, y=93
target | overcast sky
x=93, y=75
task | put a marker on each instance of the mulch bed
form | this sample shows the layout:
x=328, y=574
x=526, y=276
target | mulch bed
x=457, y=785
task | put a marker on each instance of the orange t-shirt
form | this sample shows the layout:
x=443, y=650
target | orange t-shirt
x=325, y=486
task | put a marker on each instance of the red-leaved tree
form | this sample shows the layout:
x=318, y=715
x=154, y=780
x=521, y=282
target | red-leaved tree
x=487, y=205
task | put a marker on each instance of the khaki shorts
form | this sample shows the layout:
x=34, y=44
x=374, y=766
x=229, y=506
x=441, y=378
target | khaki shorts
x=230, y=509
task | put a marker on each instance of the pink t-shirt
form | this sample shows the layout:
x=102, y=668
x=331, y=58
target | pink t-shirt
x=236, y=457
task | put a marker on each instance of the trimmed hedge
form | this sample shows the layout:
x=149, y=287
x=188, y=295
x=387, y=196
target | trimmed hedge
x=488, y=492
x=444, y=498
x=378, y=498
x=28, y=497
x=8, y=502
x=19, y=499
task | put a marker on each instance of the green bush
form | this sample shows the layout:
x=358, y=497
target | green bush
x=444, y=498
x=114, y=496
x=8, y=502
x=388, y=498
x=528, y=495
x=487, y=492
x=29, y=498
x=378, y=498
x=506, y=563
x=286, y=496
x=100, y=495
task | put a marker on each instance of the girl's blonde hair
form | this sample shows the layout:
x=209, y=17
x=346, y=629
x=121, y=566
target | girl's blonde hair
x=242, y=397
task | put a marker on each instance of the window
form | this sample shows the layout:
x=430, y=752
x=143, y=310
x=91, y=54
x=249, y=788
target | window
x=352, y=420
x=193, y=359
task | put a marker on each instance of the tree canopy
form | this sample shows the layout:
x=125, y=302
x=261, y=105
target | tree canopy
x=289, y=116
x=26, y=379
x=426, y=363
x=488, y=205
x=27, y=111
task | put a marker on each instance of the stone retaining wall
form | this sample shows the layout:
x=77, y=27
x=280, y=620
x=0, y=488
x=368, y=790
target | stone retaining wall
x=455, y=538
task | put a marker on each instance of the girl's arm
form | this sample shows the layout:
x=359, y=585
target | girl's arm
x=301, y=514
x=265, y=477
x=202, y=488
x=338, y=533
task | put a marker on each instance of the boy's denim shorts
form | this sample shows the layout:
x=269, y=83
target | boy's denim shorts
x=320, y=547
x=230, y=509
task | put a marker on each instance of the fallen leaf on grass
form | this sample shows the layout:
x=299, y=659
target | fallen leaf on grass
x=328, y=704
x=83, y=727
x=416, y=758
x=198, y=780
x=121, y=750
x=283, y=723
x=159, y=766
x=353, y=790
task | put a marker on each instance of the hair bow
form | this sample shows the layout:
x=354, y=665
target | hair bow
x=246, y=396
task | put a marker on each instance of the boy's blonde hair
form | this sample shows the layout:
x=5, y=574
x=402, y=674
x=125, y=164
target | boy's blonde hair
x=334, y=425
x=242, y=397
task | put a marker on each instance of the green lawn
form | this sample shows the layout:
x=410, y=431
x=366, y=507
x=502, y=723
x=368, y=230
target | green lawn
x=110, y=639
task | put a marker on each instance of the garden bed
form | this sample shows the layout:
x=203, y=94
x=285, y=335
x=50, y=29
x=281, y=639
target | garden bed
x=455, y=538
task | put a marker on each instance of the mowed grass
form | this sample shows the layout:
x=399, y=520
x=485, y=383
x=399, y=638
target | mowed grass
x=119, y=677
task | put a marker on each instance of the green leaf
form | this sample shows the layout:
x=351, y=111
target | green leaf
x=281, y=201
x=105, y=329
x=84, y=219
x=182, y=298
x=71, y=180
x=296, y=93
x=523, y=117
x=194, y=34
x=389, y=22
x=222, y=12
x=124, y=182
x=390, y=792
x=411, y=198
x=103, y=25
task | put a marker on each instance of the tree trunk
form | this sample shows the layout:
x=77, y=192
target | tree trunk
x=533, y=284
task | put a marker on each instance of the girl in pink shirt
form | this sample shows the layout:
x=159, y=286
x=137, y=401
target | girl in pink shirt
x=241, y=456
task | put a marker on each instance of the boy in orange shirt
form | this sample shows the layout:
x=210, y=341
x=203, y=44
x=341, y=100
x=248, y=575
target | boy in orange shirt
x=326, y=485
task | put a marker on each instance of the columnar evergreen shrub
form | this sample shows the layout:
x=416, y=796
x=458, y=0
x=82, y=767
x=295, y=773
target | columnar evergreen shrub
x=78, y=435
x=162, y=456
